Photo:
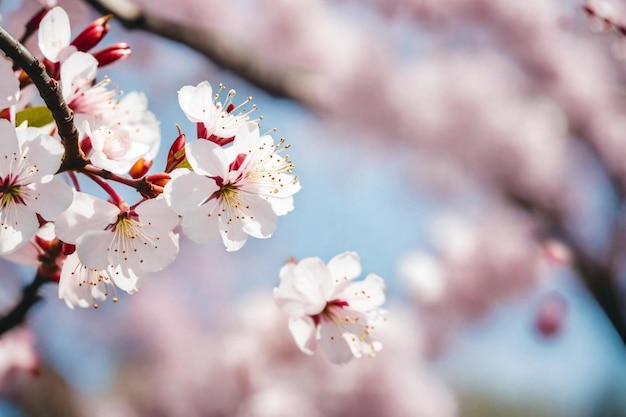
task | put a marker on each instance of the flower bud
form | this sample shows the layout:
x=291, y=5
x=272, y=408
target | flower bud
x=159, y=179
x=176, y=154
x=93, y=34
x=68, y=249
x=112, y=53
x=35, y=21
x=140, y=168
x=551, y=315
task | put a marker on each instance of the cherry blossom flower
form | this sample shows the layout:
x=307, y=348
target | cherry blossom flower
x=106, y=236
x=28, y=160
x=236, y=191
x=84, y=287
x=326, y=307
x=217, y=121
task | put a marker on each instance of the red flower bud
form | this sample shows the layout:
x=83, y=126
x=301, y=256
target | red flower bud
x=176, y=154
x=34, y=22
x=93, y=34
x=112, y=53
x=68, y=249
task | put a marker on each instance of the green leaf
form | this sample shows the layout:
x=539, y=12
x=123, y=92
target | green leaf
x=35, y=116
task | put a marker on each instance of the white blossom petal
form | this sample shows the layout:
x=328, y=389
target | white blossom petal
x=86, y=213
x=197, y=102
x=304, y=333
x=200, y=224
x=49, y=199
x=365, y=295
x=18, y=224
x=207, y=158
x=333, y=343
x=345, y=267
x=93, y=251
x=54, y=33
x=78, y=70
x=188, y=191
x=10, y=148
x=9, y=86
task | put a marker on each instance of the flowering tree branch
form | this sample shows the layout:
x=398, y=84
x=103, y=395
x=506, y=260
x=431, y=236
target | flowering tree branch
x=51, y=95
x=596, y=273
x=221, y=50
x=30, y=297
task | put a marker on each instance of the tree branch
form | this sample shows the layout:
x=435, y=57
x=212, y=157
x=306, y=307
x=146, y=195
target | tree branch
x=221, y=50
x=30, y=297
x=50, y=92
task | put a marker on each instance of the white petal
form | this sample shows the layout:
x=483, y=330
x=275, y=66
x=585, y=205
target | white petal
x=287, y=298
x=25, y=255
x=365, y=295
x=281, y=206
x=10, y=85
x=304, y=333
x=233, y=236
x=72, y=289
x=247, y=139
x=188, y=191
x=86, y=213
x=10, y=150
x=260, y=221
x=157, y=216
x=207, y=158
x=49, y=199
x=78, y=70
x=93, y=249
x=156, y=255
x=343, y=268
x=310, y=275
x=197, y=102
x=200, y=224
x=18, y=224
x=127, y=280
x=54, y=33
x=43, y=152
x=333, y=344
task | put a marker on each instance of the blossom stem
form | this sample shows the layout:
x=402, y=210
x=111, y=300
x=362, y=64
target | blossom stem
x=115, y=197
x=144, y=187
x=50, y=92
x=30, y=297
x=74, y=180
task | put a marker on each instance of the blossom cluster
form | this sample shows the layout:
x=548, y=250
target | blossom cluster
x=233, y=181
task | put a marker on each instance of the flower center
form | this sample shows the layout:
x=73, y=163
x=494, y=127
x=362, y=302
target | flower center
x=330, y=311
x=10, y=192
x=126, y=227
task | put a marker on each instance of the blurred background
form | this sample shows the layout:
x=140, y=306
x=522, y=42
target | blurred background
x=472, y=153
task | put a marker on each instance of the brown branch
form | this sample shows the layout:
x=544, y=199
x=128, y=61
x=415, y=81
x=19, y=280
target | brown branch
x=30, y=297
x=223, y=51
x=597, y=274
x=50, y=92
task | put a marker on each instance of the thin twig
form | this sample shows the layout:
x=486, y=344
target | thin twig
x=30, y=297
x=223, y=51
